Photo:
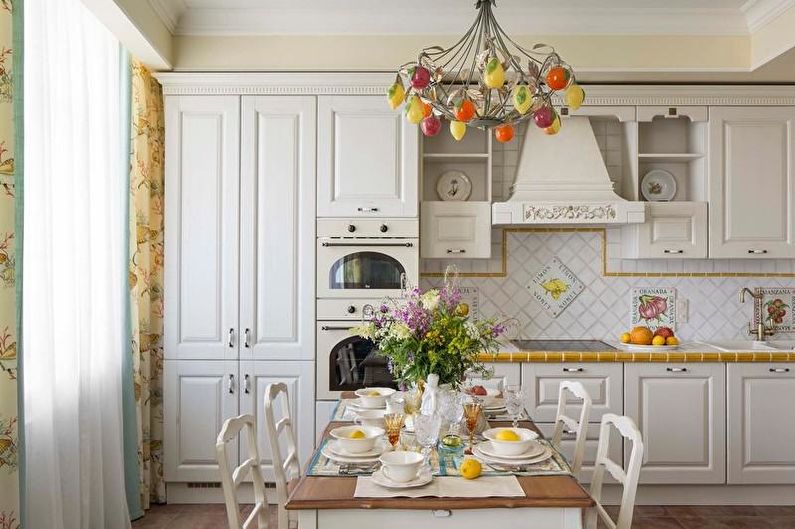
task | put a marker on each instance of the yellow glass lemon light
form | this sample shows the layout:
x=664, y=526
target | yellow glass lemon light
x=458, y=129
x=415, y=110
x=522, y=100
x=395, y=95
x=574, y=96
x=494, y=74
x=554, y=128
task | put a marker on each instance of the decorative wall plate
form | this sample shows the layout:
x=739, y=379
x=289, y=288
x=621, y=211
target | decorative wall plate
x=658, y=185
x=453, y=185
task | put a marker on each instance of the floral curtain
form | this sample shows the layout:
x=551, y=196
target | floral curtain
x=146, y=278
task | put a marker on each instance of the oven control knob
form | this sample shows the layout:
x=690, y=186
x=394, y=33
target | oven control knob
x=383, y=228
x=351, y=228
x=351, y=309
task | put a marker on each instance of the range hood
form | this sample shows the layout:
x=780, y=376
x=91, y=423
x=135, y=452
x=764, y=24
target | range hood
x=562, y=179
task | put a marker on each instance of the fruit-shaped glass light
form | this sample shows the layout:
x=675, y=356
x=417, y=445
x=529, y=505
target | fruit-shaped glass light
x=543, y=117
x=522, y=99
x=574, y=96
x=554, y=128
x=415, y=110
x=558, y=77
x=458, y=129
x=395, y=95
x=431, y=125
x=494, y=74
x=426, y=109
x=504, y=133
x=465, y=111
x=420, y=77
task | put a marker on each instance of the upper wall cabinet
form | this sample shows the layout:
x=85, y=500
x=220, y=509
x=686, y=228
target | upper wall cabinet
x=368, y=159
x=277, y=227
x=751, y=158
x=201, y=218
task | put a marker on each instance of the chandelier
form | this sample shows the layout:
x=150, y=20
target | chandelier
x=485, y=80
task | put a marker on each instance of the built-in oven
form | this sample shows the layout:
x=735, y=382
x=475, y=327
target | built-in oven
x=372, y=258
x=346, y=362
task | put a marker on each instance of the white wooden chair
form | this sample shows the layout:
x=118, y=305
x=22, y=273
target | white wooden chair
x=564, y=422
x=629, y=478
x=284, y=468
x=231, y=480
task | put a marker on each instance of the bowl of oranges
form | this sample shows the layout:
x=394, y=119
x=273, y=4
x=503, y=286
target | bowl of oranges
x=644, y=339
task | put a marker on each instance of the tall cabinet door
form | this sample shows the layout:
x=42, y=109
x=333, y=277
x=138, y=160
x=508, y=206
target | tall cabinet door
x=681, y=413
x=761, y=423
x=277, y=304
x=299, y=379
x=201, y=226
x=368, y=159
x=751, y=195
x=198, y=397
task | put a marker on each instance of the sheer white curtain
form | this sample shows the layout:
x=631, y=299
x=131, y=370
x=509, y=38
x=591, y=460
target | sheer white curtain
x=74, y=272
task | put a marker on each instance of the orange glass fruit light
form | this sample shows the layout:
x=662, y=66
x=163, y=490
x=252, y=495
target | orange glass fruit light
x=558, y=78
x=465, y=111
x=504, y=133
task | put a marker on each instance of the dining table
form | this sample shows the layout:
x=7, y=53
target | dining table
x=553, y=501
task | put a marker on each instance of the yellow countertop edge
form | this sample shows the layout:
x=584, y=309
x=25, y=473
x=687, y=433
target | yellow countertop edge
x=623, y=356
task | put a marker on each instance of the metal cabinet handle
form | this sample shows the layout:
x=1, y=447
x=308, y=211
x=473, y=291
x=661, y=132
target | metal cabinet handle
x=779, y=370
x=753, y=251
x=676, y=369
x=364, y=244
x=442, y=513
x=247, y=339
x=367, y=210
x=573, y=369
x=231, y=384
x=456, y=250
x=336, y=327
x=673, y=251
x=231, y=337
x=246, y=384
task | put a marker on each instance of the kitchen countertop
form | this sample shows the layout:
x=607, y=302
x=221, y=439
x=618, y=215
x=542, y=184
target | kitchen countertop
x=687, y=352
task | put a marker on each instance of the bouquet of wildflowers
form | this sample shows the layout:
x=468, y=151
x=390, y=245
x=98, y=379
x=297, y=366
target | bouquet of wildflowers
x=430, y=332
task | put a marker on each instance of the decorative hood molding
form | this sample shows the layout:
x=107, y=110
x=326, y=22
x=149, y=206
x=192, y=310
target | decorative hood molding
x=562, y=179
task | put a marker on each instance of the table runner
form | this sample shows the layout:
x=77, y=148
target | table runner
x=449, y=487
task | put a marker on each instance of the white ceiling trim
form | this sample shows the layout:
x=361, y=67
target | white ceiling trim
x=169, y=12
x=759, y=13
x=441, y=21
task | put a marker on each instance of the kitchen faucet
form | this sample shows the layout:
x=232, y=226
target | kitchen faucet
x=762, y=331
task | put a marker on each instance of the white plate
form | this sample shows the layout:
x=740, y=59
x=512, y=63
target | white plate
x=543, y=456
x=535, y=450
x=356, y=405
x=658, y=185
x=453, y=186
x=347, y=459
x=423, y=478
x=647, y=348
x=380, y=445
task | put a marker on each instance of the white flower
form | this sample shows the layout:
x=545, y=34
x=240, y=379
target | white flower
x=366, y=330
x=399, y=331
x=472, y=330
x=430, y=299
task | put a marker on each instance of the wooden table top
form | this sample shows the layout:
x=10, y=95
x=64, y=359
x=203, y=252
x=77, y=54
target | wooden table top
x=322, y=492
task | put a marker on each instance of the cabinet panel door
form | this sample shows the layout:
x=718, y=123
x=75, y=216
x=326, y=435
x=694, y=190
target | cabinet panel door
x=456, y=229
x=673, y=230
x=368, y=159
x=615, y=449
x=201, y=226
x=681, y=411
x=752, y=153
x=299, y=378
x=602, y=381
x=197, y=397
x=277, y=305
x=761, y=423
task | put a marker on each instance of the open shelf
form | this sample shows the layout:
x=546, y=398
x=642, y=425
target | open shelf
x=669, y=157
x=453, y=157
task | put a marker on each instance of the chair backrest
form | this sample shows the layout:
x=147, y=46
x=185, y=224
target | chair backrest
x=231, y=480
x=285, y=466
x=565, y=422
x=629, y=478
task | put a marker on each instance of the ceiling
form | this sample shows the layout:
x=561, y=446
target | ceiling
x=440, y=17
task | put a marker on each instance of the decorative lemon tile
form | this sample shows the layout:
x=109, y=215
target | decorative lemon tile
x=554, y=287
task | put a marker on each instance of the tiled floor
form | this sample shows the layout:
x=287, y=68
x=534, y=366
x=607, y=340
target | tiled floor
x=646, y=517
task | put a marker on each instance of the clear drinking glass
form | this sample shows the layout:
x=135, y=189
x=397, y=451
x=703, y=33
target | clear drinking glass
x=451, y=407
x=426, y=431
x=514, y=402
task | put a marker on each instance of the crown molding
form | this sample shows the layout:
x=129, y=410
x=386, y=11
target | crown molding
x=759, y=13
x=169, y=12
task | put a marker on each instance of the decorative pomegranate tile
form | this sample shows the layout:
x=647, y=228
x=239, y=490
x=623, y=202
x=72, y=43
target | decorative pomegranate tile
x=776, y=308
x=554, y=287
x=653, y=307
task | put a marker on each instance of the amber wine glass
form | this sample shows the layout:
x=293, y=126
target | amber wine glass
x=472, y=411
x=393, y=423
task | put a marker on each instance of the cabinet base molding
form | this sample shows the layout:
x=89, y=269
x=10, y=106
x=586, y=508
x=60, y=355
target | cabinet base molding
x=705, y=494
x=199, y=493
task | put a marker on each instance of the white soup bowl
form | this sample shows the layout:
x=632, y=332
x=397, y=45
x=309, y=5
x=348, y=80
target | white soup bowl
x=511, y=448
x=357, y=445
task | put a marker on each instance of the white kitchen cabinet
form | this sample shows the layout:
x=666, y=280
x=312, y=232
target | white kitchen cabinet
x=672, y=230
x=751, y=195
x=299, y=377
x=198, y=397
x=603, y=381
x=455, y=229
x=681, y=413
x=277, y=223
x=761, y=423
x=202, y=226
x=368, y=159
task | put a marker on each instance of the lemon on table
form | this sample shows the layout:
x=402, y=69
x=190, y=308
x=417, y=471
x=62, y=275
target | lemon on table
x=658, y=340
x=470, y=468
x=625, y=338
x=357, y=434
x=507, y=435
